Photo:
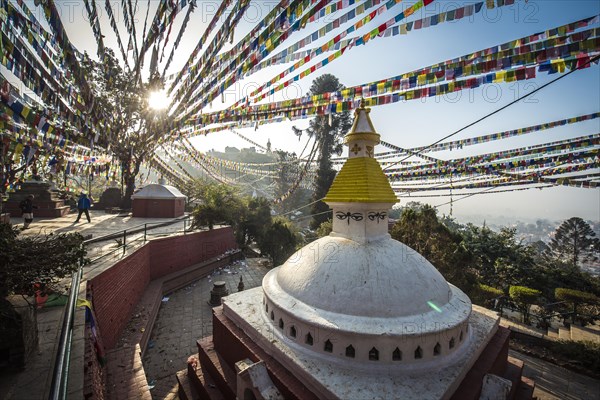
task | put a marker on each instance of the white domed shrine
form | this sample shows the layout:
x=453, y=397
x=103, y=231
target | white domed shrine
x=356, y=314
x=369, y=297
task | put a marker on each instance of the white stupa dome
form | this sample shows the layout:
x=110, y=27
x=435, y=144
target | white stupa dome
x=358, y=295
x=384, y=279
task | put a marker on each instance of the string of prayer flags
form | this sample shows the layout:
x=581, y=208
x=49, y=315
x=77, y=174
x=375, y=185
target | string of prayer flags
x=180, y=35
x=272, y=41
x=204, y=98
x=187, y=66
x=537, y=53
x=113, y=25
x=213, y=48
x=95, y=24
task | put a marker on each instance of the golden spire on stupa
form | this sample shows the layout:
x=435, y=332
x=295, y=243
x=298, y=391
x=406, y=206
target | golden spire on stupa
x=361, y=179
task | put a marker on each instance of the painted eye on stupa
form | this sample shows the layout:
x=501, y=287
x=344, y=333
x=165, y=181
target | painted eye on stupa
x=379, y=216
x=348, y=216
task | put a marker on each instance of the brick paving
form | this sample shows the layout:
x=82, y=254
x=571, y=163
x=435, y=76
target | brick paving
x=185, y=318
x=19, y=385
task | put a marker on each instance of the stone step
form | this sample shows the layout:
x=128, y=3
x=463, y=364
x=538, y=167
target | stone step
x=492, y=360
x=211, y=363
x=233, y=344
x=525, y=389
x=553, y=333
x=514, y=372
x=202, y=385
x=52, y=210
x=185, y=390
x=564, y=333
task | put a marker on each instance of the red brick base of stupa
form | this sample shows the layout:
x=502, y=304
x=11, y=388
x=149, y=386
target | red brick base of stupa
x=215, y=377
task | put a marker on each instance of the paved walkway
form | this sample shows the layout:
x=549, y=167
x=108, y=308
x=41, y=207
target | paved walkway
x=33, y=382
x=184, y=317
x=556, y=383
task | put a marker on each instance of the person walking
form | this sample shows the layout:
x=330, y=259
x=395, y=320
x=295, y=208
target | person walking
x=27, y=207
x=83, y=206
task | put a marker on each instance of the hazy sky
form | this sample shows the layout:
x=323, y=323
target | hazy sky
x=418, y=122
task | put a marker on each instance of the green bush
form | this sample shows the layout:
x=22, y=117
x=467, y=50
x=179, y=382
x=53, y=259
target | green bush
x=484, y=294
x=587, y=354
x=575, y=296
x=524, y=295
x=523, y=298
x=577, y=299
x=583, y=357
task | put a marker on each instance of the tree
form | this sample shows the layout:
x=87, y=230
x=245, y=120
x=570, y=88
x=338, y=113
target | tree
x=576, y=298
x=257, y=221
x=574, y=241
x=500, y=258
x=26, y=264
x=485, y=295
x=218, y=203
x=30, y=260
x=280, y=240
x=420, y=229
x=327, y=131
x=133, y=128
x=523, y=298
x=325, y=228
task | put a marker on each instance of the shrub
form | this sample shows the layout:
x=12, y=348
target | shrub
x=484, y=294
x=575, y=296
x=587, y=354
x=524, y=297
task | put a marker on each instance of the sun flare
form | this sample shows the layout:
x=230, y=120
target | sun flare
x=158, y=100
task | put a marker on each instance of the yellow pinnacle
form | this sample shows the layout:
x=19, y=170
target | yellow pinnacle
x=361, y=179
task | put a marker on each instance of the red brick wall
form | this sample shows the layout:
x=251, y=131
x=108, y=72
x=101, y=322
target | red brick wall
x=172, y=254
x=153, y=208
x=117, y=290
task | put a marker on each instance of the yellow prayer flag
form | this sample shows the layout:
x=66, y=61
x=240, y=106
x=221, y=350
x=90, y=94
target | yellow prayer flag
x=500, y=76
x=84, y=303
x=561, y=65
x=18, y=151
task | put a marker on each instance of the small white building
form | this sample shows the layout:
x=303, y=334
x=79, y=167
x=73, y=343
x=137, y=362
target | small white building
x=158, y=201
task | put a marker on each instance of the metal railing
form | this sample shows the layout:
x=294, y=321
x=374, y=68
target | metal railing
x=59, y=382
x=139, y=233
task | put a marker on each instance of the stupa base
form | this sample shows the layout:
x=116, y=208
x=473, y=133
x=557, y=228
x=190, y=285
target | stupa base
x=240, y=332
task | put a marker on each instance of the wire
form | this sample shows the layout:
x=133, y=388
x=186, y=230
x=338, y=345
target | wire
x=299, y=208
x=312, y=215
x=498, y=110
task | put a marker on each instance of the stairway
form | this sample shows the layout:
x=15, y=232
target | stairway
x=47, y=201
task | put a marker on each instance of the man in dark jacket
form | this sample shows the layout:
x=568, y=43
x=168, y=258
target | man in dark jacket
x=27, y=207
x=83, y=205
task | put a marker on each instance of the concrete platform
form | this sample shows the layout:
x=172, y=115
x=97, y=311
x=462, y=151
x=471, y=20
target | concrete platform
x=330, y=379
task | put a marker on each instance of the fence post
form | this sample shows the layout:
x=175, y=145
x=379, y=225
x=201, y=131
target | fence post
x=145, y=225
x=124, y=240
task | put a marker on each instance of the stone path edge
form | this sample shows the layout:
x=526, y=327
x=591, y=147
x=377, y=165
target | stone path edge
x=154, y=292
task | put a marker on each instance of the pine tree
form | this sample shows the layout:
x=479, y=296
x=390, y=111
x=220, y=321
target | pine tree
x=575, y=242
x=328, y=132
